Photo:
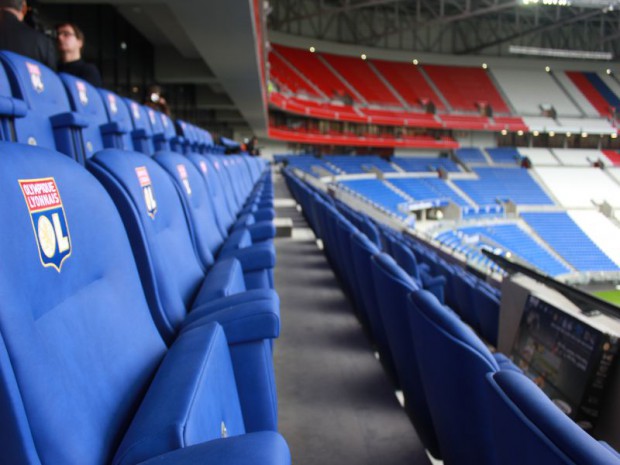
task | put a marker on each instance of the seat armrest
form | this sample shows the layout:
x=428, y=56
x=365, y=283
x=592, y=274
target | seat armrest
x=238, y=239
x=13, y=107
x=262, y=230
x=262, y=448
x=266, y=214
x=113, y=128
x=254, y=258
x=225, y=278
x=248, y=321
x=69, y=119
x=193, y=398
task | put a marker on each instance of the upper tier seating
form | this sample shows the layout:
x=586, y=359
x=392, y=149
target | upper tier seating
x=377, y=193
x=428, y=189
x=408, y=82
x=358, y=164
x=495, y=184
x=282, y=73
x=363, y=78
x=593, y=185
x=515, y=240
x=74, y=315
x=417, y=164
x=529, y=428
x=465, y=87
x=576, y=94
x=560, y=231
x=504, y=155
x=526, y=99
x=606, y=87
x=315, y=70
x=588, y=92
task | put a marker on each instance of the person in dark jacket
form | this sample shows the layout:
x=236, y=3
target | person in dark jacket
x=20, y=38
x=70, y=40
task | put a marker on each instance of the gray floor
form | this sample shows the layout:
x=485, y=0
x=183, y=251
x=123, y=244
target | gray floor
x=336, y=404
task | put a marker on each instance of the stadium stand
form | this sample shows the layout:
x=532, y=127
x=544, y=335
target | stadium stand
x=465, y=88
x=577, y=94
x=471, y=155
x=580, y=157
x=360, y=75
x=407, y=80
x=527, y=100
x=564, y=235
x=539, y=156
x=309, y=65
x=588, y=91
x=594, y=186
x=504, y=155
x=515, y=240
x=289, y=78
x=428, y=189
x=423, y=164
x=495, y=184
x=359, y=164
x=600, y=229
x=376, y=192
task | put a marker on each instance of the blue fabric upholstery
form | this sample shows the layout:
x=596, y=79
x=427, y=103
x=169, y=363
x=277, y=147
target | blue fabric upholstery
x=454, y=362
x=392, y=285
x=79, y=353
x=529, y=428
x=43, y=93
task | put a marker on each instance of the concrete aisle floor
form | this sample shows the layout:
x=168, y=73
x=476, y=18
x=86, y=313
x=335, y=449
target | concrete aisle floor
x=336, y=404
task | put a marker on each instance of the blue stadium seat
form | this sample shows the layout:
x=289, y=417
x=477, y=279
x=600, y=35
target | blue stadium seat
x=454, y=363
x=10, y=108
x=529, y=428
x=392, y=285
x=85, y=376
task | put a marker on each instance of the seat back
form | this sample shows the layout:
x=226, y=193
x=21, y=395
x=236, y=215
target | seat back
x=78, y=346
x=157, y=226
x=86, y=101
x=486, y=305
x=530, y=428
x=454, y=363
x=406, y=259
x=118, y=114
x=392, y=285
x=10, y=108
x=142, y=134
x=44, y=94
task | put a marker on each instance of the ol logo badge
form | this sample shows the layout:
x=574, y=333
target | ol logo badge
x=35, y=77
x=49, y=222
x=147, y=190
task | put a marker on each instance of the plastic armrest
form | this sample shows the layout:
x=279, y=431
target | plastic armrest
x=252, y=295
x=238, y=239
x=249, y=321
x=267, y=214
x=113, y=128
x=68, y=120
x=262, y=448
x=262, y=231
x=225, y=278
x=254, y=258
x=13, y=107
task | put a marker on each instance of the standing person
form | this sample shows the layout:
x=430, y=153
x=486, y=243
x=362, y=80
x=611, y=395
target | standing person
x=70, y=40
x=20, y=38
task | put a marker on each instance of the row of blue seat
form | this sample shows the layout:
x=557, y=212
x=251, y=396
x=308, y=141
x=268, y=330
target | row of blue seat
x=468, y=406
x=145, y=297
